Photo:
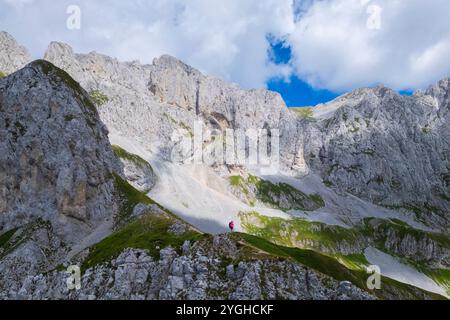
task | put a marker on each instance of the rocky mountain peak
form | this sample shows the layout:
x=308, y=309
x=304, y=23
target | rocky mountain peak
x=340, y=164
x=58, y=49
x=441, y=92
x=169, y=62
x=56, y=162
x=12, y=55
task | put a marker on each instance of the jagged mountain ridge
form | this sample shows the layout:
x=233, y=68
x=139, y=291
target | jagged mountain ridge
x=145, y=102
x=387, y=148
x=69, y=182
x=378, y=145
x=168, y=90
x=13, y=56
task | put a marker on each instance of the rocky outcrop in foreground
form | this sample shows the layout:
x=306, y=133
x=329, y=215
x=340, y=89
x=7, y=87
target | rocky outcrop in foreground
x=63, y=192
x=68, y=198
x=56, y=170
x=199, y=272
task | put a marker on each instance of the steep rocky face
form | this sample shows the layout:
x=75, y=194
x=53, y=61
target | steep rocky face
x=55, y=161
x=59, y=192
x=12, y=55
x=373, y=143
x=199, y=272
x=56, y=171
x=152, y=101
x=138, y=172
x=387, y=148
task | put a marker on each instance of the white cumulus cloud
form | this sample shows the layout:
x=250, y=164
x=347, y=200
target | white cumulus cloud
x=223, y=38
x=336, y=44
x=344, y=44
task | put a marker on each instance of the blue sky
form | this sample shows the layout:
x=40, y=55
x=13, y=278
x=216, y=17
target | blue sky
x=295, y=91
x=310, y=51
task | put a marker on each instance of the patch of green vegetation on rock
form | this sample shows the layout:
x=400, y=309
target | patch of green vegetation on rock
x=186, y=128
x=129, y=198
x=441, y=277
x=426, y=129
x=328, y=183
x=297, y=232
x=16, y=237
x=330, y=266
x=55, y=73
x=280, y=196
x=2, y=74
x=355, y=261
x=170, y=118
x=317, y=198
x=5, y=237
x=421, y=211
x=125, y=155
x=308, y=258
x=52, y=70
x=446, y=177
x=149, y=232
x=416, y=210
x=331, y=239
x=445, y=197
x=305, y=113
x=69, y=117
x=380, y=228
x=235, y=181
x=180, y=124
x=98, y=98
x=369, y=152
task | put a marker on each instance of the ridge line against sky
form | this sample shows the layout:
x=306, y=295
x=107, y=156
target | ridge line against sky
x=308, y=50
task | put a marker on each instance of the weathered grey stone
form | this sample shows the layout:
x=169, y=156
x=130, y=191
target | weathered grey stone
x=12, y=55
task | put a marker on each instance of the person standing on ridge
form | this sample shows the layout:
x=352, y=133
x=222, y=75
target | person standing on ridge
x=231, y=226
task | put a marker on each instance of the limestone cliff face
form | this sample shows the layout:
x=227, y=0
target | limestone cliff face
x=55, y=159
x=151, y=101
x=58, y=195
x=56, y=171
x=373, y=143
x=387, y=148
x=12, y=55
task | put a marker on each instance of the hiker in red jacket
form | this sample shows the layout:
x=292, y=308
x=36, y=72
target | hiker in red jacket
x=231, y=226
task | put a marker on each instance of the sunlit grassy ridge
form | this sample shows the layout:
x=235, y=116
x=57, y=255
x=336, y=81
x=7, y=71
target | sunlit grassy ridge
x=152, y=232
x=330, y=266
x=137, y=160
x=333, y=240
x=149, y=232
x=300, y=232
x=281, y=196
